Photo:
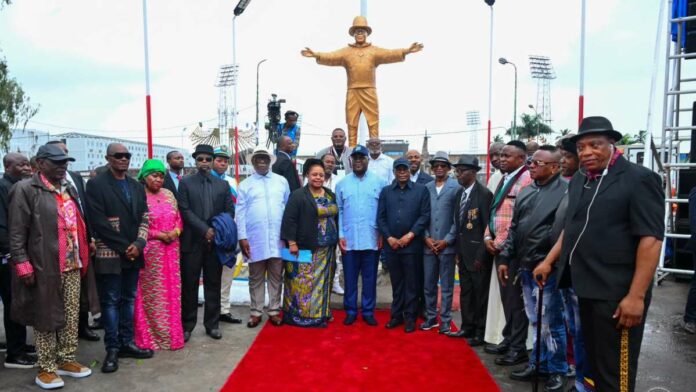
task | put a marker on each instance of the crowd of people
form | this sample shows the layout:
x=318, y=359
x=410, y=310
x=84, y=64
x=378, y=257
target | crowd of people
x=575, y=221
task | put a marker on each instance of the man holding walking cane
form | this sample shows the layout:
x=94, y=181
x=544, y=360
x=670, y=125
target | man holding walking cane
x=529, y=241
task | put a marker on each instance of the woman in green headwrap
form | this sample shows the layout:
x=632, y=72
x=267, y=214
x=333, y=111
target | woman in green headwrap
x=158, y=300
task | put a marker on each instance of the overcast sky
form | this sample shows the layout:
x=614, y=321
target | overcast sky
x=82, y=60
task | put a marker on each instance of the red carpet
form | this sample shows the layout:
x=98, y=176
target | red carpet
x=358, y=358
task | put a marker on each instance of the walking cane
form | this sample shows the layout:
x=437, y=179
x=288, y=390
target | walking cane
x=537, y=360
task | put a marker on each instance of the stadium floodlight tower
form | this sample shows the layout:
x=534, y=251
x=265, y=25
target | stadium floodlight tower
x=227, y=77
x=542, y=71
x=473, y=124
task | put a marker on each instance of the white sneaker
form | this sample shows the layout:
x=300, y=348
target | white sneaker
x=337, y=289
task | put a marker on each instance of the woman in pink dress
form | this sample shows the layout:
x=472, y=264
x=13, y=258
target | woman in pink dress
x=158, y=299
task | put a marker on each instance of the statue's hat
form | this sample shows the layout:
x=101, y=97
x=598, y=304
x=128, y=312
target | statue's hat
x=360, y=22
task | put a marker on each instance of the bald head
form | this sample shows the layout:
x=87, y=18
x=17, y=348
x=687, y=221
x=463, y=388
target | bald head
x=16, y=165
x=414, y=160
x=532, y=147
x=113, y=148
x=286, y=144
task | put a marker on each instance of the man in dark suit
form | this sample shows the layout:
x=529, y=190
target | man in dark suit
x=201, y=198
x=284, y=164
x=471, y=214
x=403, y=213
x=16, y=168
x=176, y=163
x=612, y=237
x=75, y=179
x=119, y=220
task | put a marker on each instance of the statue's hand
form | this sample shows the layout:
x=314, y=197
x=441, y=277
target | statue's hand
x=415, y=47
x=307, y=52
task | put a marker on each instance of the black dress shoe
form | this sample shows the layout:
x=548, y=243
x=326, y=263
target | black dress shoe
x=349, y=320
x=497, y=349
x=214, y=333
x=20, y=361
x=393, y=323
x=512, y=358
x=132, y=351
x=526, y=374
x=110, y=364
x=370, y=320
x=410, y=326
x=475, y=341
x=555, y=383
x=229, y=318
x=459, y=334
x=187, y=336
x=87, y=334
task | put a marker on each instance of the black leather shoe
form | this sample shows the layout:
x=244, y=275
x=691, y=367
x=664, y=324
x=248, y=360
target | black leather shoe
x=459, y=334
x=187, y=336
x=349, y=320
x=512, y=358
x=393, y=323
x=229, y=318
x=20, y=361
x=497, y=349
x=475, y=341
x=110, y=364
x=410, y=326
x=370, y=320
x=214, y=333
x=526, y=374
x=133, y=351
x=555, y=383
x=87, y=334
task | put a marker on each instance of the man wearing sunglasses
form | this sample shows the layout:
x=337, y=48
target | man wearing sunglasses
x=119, y=220
x=438, y=259
x=529, y=241
x=202, y=196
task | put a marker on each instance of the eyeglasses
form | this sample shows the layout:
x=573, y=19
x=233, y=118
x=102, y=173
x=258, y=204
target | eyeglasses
x=436, y=165
x=121, y=155
x=536, y=162
x=461, y=170
x=204, y=159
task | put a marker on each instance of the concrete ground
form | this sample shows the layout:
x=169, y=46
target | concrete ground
x=666, y=364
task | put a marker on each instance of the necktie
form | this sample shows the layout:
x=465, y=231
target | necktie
x=462, y=205
x=178, y=177
x=207, y=199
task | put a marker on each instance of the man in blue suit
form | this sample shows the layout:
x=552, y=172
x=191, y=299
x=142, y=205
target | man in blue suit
x=439, y=244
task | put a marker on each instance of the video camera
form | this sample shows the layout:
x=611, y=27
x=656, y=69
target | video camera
x=274, y=118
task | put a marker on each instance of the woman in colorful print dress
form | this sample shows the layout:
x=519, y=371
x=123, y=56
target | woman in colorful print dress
x=158, y=299
x=310, y=223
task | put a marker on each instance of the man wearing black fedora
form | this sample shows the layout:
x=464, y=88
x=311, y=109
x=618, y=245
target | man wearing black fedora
x=471, y=217
x=612, y=235
x=201, y=197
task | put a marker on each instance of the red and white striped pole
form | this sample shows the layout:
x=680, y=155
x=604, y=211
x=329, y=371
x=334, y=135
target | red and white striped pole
x=581, y=99
x=490, y=91
x=148, y=108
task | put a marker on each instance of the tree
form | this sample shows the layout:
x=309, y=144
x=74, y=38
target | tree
x=498, y=139
x=532, y=126
x=15, y=107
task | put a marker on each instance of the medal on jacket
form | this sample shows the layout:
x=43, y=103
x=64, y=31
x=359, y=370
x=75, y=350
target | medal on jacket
x=469, y=226
x=472, y=215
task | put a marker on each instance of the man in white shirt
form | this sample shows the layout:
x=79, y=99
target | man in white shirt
x=260, y=206
x=380, y=164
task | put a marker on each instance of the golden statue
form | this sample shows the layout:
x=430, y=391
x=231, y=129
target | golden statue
x=360, y=61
